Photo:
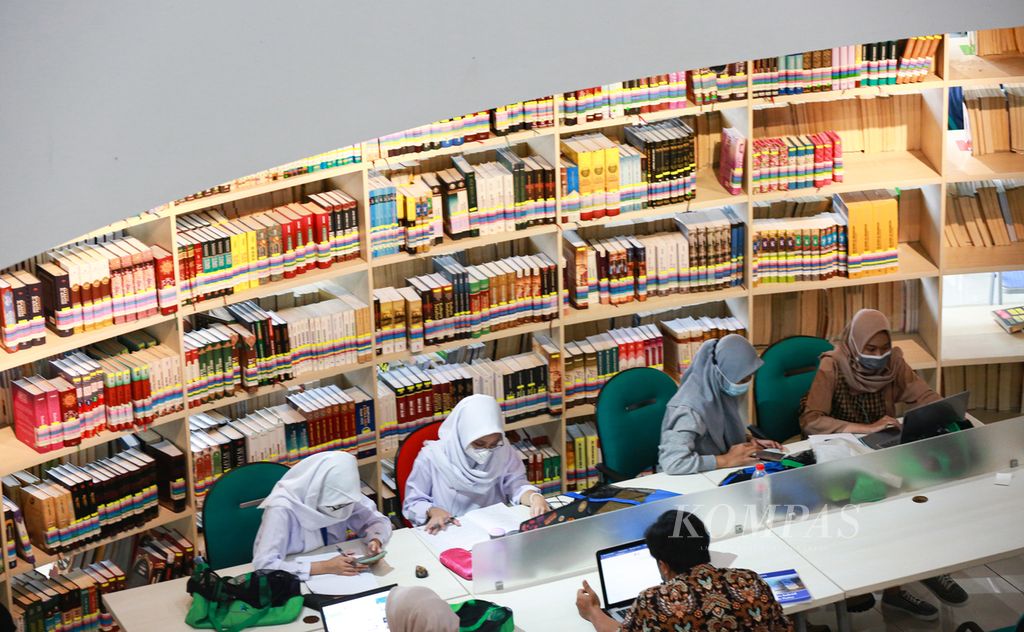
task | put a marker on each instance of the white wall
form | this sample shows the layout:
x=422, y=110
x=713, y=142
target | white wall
x=111, y=107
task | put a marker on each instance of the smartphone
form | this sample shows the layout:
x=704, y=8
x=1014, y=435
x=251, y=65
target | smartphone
x=371, y=559
x=769, y=455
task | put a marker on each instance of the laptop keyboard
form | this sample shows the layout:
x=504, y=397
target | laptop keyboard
x=619, y=614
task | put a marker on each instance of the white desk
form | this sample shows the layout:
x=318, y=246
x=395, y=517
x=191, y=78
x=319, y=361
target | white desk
x=963, y=524
x=680, y=484
x=163, y=606
x=552, y=605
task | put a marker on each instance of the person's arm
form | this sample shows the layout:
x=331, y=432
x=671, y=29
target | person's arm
x=815, y=418
x=589, y=608
x=677, y=452
x=369, y=523
x=271, y=545
x=418, y=492
x=515, y=487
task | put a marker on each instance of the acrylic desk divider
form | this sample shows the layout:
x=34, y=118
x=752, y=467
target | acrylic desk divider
x=567, y=549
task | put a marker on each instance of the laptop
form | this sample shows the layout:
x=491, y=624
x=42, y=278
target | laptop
x=625, y=571
x=361, y=612
x=922, y=422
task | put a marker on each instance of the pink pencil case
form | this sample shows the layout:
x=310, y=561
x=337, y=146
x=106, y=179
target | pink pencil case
x=458, y=561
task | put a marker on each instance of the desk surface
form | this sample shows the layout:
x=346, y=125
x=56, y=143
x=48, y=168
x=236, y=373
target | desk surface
x=552, y=605
x=962, y=524
x=163, y=606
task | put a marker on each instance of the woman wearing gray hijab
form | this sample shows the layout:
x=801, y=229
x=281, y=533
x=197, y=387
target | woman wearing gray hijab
x=702, y=429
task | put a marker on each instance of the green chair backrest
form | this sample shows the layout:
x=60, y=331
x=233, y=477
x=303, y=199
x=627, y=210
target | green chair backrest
x=231, y=515
x=782, y=381
x=630, y=408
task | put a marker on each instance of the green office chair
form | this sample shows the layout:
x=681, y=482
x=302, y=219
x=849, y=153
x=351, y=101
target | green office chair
x=630, y=408
x=782, y=381
x=231, y=513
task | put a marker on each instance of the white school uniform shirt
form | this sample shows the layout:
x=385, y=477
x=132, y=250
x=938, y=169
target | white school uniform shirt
x=314, y=504
x=445, y=476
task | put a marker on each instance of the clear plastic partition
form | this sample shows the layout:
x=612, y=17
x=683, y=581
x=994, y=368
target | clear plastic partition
x=566, y=549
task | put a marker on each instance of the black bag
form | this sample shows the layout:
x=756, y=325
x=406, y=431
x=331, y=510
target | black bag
x=596, y=500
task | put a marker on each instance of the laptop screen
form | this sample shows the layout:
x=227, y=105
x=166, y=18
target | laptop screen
x=361, y=614
x=626, y=572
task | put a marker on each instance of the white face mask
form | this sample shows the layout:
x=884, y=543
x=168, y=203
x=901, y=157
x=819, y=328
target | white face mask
x=480, y=456
x=339, y=513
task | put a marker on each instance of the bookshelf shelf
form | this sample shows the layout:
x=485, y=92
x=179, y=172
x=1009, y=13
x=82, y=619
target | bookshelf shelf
x=991, y=259
x=56, y=345
x=914, y=264
x=165, y=516
x=915, y=351
x=451, y=246
x=15, y=455
x=520, y=330
x=971, y=70
x=602, y=312
x=932, y=81
x=304, y=378
x=368, y=460
x=883, y=170
x=494, y=142
x=280, y=287
x=582, y=410
x=970, y=336
x=708, y=201
x=961, y=166
x=651, y=117
x=533, y=421
x=269, y=187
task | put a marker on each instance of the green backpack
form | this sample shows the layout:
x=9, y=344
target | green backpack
x=230, y=604
x=477, y=615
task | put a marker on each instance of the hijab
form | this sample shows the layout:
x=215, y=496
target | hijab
x=322, y=480
x=419, y=609
x=474, y=417
x=864, y=325
x=733, y=358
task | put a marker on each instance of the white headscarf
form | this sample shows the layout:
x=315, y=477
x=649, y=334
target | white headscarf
x=328, y=479
x=474, y=417
x=419, y=609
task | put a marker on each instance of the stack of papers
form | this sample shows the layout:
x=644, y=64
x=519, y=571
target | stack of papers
x=475, y=528
x=337, y=584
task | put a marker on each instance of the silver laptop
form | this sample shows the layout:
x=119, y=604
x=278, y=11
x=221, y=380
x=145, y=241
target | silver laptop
x=362, y=612
x=625, y=570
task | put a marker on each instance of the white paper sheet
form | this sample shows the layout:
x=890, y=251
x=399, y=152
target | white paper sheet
x=475, y=527
x=337, y=584
x=836, y=446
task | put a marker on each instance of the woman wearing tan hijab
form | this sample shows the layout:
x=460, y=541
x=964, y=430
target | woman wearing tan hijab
x=860, y=381
x=856, y=390
x=419, y=609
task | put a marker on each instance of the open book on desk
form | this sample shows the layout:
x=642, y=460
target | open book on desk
x=475, y=527
x=339, y=584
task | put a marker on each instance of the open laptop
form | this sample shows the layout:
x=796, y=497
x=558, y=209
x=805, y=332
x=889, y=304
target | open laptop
x=921, y=423
x=361, y=612
x=625, y=571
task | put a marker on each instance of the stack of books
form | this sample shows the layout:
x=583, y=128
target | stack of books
x=592, y=361
x=984, y=213
x=218, y=256
x=732, y=159
x=717, y=83
x=582, y=454
x=624, y=98
x=600, y=178
x=542, y=462
x=670, y=169
x=988, y=119
x=683, y=337
x=793, y=162
x=695, y=251
x=992, y=387
x=998, y=41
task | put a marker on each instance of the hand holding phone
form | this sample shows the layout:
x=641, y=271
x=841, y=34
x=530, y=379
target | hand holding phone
x=372, y=559
x=769, y=455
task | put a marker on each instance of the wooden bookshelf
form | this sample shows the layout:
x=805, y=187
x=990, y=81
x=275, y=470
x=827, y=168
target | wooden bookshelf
x=947, y=337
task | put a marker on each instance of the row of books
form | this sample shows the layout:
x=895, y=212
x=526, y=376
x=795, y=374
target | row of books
x=107, y=281
x=413, y=395
x=825, y=313
x=412, y=212
x=865, y=124
x=541, y=460
x=694, y=251
x=458, y=130
x=791, y=162
x=859, y=238
x=845, y=67
x=467, y=301
x=998, y=41
x=600, y=178
x=243, y=346
x=992, y=387
x=73, y=505
x=995, y=119
x=984, y=213
x=115, y=385
x=582, y=454
x=218, y=256
x=309, y=422
x=348, y=155
x=717, y=83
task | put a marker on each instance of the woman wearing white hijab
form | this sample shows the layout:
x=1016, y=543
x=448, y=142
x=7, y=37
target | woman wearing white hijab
x=313, y=505
x=702, y=429
x=468, y=467
x=419, y=609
